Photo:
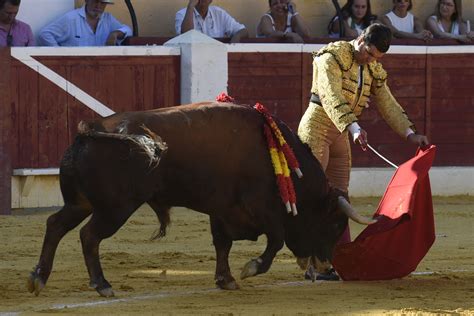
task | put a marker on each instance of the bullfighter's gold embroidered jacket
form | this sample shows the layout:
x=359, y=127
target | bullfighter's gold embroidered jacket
x=335, y=80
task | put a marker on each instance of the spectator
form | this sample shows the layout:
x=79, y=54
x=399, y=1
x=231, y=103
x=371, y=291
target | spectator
x=210, y=20
x=86, y=26
x=403, y=24
x=357, y=16
x=447, y=22
x=283, y=22
x=13, y=32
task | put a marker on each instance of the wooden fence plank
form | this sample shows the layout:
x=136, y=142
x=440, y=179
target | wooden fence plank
x=28, y=112
x=407, y=82
x=452, y=82
x=52, y=121
x=428, y=96
x=452, y=61
x=396, y=61
x=173, y=91
x=5, y=130
x=149, y=81
x=14, y=113
x=87, y=78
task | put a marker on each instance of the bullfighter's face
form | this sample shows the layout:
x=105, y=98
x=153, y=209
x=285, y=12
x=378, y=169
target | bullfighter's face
x=366, y=53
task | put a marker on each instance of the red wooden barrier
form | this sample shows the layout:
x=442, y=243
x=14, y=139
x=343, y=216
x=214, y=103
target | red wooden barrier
x=45, y=117
x=435, y=91
x=5, y=126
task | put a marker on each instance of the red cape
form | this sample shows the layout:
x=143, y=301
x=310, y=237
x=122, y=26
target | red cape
x=394, y=246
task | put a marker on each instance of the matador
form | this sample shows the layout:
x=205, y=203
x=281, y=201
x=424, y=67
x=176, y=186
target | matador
x=345, y=76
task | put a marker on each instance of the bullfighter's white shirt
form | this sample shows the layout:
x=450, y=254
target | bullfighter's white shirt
x=218, y=23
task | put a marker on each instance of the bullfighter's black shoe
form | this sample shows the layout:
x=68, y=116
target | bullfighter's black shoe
x=331, y=275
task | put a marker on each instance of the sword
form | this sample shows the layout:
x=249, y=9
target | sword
x=385, y=159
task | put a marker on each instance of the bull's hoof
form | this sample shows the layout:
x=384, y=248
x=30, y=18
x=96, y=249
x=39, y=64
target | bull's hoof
x=34, y=283
x=232, y=285
x=102, y=287
x=250, y=269
x=106, y=292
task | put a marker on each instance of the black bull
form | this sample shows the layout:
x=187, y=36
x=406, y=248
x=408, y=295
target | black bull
x=216, y=162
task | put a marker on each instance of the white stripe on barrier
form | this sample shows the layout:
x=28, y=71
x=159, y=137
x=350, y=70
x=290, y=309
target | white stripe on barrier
x=116, y=51
x=265, y=48
x=92, y=103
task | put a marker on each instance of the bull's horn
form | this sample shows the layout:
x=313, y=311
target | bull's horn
x=352, y=213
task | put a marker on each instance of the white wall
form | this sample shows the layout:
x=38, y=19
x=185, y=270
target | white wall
x=38, y=13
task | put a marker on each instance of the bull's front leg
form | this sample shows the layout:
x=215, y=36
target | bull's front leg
x=222, y=243
x=275, y=242
x=57, y=226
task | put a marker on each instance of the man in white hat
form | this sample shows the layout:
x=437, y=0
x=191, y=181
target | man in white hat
x=86, y=26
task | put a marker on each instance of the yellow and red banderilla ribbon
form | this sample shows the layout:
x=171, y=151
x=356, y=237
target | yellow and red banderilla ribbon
x=281, y=154
x=283, y=159
x=224, y=97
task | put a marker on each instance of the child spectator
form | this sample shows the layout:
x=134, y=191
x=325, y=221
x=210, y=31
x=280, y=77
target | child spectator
x=283, y=21
x=357, y=16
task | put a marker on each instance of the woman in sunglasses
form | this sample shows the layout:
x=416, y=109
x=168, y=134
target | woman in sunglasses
x=447, y=22
x=404, y=24
x=13, y=32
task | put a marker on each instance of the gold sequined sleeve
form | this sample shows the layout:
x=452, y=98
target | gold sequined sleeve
x=391, y=111
x=329, y=83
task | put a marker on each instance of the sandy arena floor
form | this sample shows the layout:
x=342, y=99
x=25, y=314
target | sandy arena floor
x=175, y=275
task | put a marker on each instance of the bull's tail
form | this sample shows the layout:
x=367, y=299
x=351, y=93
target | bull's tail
x=149, y=143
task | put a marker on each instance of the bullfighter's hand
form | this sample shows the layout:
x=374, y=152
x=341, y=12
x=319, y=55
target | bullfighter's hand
x=420, y=140
x=361, y=138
